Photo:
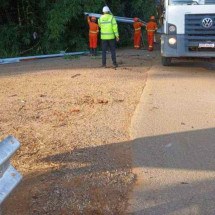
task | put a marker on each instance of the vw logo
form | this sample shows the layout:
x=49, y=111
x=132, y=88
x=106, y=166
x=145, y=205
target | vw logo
x=207, y=22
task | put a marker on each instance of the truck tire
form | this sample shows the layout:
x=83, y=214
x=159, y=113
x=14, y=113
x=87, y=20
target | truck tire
x=166, y=61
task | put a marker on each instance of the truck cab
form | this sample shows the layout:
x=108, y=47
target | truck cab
x=188, y=30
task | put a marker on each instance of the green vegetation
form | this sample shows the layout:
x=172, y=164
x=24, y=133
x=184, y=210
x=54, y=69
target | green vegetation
x=30, y=27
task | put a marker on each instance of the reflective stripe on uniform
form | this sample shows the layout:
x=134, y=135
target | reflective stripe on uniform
x=150, y=30
x=94, y=32
x=107, y=33
x=105, y=22
x=137, y=29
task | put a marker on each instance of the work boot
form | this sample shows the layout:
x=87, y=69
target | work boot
x=115, y=65
x=103, y=66
x=95, y=52
x=150, y=49
x=91, y=52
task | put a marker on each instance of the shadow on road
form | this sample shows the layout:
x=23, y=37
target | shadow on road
x=177, y=150
x=197, y=199
x=192, y=150
x=208, y=65
x=188, y=151
x=186, y=162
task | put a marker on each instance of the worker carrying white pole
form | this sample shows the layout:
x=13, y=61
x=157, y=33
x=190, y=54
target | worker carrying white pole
x=151, y=28
x=137, y=32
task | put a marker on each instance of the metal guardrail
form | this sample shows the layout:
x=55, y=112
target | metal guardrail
x=118, y=18
x=18, y=59
x=9, y=177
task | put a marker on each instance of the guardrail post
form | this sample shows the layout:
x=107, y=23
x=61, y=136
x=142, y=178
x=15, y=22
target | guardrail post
x=9, y=177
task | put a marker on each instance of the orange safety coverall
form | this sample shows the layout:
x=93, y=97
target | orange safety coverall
x=151, y=27
x=93, y=33
x=137, y=34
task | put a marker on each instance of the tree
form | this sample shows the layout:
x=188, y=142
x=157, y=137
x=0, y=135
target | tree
x=48, y=26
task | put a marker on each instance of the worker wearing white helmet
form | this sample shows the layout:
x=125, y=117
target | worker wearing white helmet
x=106, y=9
x=109, y=35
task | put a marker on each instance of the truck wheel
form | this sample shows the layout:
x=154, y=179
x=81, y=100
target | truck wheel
x=166, y=61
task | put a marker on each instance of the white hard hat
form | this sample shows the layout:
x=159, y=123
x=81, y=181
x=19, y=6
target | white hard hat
x=105, y=9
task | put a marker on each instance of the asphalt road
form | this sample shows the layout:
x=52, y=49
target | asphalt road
x=174, y=141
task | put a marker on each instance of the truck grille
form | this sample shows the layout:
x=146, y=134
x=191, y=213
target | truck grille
x=209, y=1
x=197, y=35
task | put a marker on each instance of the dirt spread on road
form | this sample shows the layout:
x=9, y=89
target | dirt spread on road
x=71, y=118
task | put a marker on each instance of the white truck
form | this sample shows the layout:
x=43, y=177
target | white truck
x=188, y=30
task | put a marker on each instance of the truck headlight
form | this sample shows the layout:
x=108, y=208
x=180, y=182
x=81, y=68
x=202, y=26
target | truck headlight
x=172, y=41
x=172, y=28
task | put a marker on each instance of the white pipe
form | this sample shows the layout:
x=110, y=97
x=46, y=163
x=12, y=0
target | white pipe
x=118, y=18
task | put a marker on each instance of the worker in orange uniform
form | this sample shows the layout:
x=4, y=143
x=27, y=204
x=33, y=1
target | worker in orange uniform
x=137, y=32
x=151, y=28
x=93, y=34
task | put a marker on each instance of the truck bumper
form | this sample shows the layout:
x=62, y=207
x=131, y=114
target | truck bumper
x=180, y=49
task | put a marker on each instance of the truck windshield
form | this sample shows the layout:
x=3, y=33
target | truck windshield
x=192, y=2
